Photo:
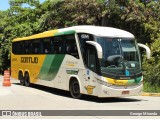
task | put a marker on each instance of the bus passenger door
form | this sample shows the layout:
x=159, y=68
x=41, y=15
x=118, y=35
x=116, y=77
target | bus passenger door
x=92, y=63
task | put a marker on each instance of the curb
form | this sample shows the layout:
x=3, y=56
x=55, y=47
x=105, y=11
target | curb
x=151, y=94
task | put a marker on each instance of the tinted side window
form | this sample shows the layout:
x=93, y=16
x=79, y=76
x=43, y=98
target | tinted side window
x=46, y=46
x=15, y=47
x=71, y=46
x=18, y=47
x=83, y=37
x=57, y=44
x=27, y=47
x=91, y=58
x=53, y=45
x=36, y=47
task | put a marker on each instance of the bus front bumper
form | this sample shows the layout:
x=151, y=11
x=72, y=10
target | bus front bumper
x=106, y=91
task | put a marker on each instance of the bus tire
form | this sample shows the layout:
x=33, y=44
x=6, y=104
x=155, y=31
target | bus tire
x=21, y=78
x=27, y=80
x=75, y=89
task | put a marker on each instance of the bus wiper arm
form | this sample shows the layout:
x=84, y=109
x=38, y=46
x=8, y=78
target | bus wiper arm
x=122, y=58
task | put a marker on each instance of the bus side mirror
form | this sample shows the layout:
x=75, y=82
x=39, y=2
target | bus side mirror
x=148, y=51
x=98, y=48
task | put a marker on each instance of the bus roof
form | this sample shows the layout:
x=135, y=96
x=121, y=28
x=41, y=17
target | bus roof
x=96, y=30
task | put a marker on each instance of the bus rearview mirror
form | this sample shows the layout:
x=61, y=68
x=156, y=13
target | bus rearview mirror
x=98, y=48
x=148, y=51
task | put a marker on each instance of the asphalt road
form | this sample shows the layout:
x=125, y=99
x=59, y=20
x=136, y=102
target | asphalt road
x=37, y=97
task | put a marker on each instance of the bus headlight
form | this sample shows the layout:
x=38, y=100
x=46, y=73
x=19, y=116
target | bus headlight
x=103, y=83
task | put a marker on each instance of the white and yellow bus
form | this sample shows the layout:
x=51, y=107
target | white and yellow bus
x=92, y=60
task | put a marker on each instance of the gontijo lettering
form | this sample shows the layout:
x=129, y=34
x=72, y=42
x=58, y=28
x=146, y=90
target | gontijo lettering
x=29, y=60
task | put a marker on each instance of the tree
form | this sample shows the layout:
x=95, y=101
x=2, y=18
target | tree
x=17, y=21
x=68, y=13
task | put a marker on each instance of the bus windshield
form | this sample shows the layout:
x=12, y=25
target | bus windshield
x=120, y=56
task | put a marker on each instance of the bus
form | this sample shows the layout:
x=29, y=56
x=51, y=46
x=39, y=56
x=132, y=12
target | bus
x=90, y=60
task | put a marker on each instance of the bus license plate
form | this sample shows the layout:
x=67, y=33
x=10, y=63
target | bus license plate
x=125, y=92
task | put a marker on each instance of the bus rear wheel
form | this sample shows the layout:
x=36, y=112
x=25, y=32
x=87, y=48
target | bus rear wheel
x=75, y=89
x=21, y=78
x=27, y=80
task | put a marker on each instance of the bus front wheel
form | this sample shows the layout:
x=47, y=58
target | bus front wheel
x=75, y=89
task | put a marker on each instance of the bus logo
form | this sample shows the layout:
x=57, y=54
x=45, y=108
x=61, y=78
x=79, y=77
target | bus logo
x=85, y=36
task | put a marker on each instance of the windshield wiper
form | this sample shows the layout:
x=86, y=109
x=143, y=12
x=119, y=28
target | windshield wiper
x=122, y=57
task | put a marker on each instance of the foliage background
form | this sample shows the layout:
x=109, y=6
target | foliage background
x=140, y=17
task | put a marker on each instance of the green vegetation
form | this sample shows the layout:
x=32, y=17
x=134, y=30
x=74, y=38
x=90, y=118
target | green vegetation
x=140, y=17
x=151, y=88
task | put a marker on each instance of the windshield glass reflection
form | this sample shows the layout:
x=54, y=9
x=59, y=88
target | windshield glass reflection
x=119, y=55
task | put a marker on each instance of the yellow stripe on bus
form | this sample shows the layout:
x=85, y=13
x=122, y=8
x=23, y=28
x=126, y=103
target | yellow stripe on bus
x=40, y=35
x=117, y=82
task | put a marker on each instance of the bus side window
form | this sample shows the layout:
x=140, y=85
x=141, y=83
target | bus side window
x=27, y=49
x=21, y=47
x=15, y=47
x=58, y=45
x=71, y=46
x=35, y=46
x=91, y=58
x=52, y=46
x=46, y=46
